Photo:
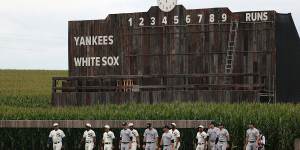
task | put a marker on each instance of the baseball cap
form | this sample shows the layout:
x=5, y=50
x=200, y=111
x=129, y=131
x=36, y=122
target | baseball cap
x=124, y=123
x=167, y=127
x=130, y=124
x=173, y=124
x=201, y=126
x=107, y=126
x=88, y=125
x=55, y=124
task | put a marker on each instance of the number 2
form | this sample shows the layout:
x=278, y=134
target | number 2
x=141, y=21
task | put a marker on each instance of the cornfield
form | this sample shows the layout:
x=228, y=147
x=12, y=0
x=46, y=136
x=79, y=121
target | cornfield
x=26, y=95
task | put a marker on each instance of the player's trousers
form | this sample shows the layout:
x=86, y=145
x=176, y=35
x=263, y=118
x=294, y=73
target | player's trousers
x=251, y=146
x=57, y=146
x=108, y=146
x=89, y=146
x=133, y=146
x=167, y=147
x=125, y=146
x=176, y=147
x=222, y=145
x=200, y=146
x=150, y=146
x=212, y=145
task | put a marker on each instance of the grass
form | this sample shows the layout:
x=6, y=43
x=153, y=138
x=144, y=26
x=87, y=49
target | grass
x=26, y=95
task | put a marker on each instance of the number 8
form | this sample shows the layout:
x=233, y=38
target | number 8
x=211, y=18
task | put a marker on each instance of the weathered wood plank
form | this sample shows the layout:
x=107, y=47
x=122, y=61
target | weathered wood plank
x=99, y=123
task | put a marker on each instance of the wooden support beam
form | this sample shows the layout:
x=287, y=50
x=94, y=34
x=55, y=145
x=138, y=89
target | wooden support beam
x=99, y=123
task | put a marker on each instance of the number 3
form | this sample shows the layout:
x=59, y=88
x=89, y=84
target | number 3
x=152, y=21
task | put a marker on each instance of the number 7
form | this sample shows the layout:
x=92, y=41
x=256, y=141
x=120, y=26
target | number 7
x=200, y=17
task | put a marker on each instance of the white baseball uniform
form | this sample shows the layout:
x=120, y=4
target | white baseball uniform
x=57, y=136
x=125, y=136
x=223, y=135
x=167, y=140
x=212, y=136
x=89, y=136
x=135, y=135
x=252, y=135
x=150, y=137
x=201, y=139
x=108, y=138
x=176, y=135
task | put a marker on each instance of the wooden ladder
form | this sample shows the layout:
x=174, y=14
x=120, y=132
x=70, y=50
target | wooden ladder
x=231, y=48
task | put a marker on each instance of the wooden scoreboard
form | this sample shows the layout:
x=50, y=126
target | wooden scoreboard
x=212, y=55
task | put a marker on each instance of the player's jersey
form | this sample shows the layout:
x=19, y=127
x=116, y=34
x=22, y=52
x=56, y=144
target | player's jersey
x=176, y=134
x=167, y=138
x=252, y=134
x=135, y=134
x=201, y=137
x=108, y=137
x=222, y=135
x=212, y=133
x=89, y=135
x=57, y=135
x=150, y=135
x=125, y=135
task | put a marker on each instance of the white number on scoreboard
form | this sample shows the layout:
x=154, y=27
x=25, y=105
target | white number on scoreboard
x=187, y=19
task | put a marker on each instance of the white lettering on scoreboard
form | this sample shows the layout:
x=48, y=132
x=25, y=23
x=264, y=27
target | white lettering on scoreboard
x=256, y=16
x=94, y=40
x=196, y=19
x=96, y=61
x=174, y=20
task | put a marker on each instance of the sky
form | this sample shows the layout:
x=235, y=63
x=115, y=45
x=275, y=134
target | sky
x=33, y=33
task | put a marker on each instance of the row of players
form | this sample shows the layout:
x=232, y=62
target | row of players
x=216, y=138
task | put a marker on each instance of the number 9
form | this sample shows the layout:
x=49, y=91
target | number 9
x=224, y=17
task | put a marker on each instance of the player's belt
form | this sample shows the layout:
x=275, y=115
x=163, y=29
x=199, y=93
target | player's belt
x=222, y=141
x=88, y=141
x=125, y=142
x=107, y=143
x=251, y=141
x=56, y=142
x=166, y=145
x=200, y=143
x=149, y=142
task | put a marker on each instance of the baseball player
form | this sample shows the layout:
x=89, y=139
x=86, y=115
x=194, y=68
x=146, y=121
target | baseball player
x=176, y=135
x=135, y=138
x=261, y=141
x=212, y=136
x=126, y=137
x=201, y=138
x=222, y=138
x=252, y=136
x=150, y=138
x=108, y=137
x=56, y=137
x=167, y=140
x=89, y=137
